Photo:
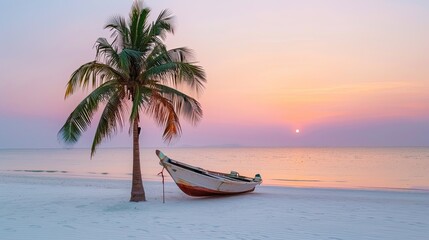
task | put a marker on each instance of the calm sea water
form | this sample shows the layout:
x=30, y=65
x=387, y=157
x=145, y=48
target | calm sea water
x=392, y=168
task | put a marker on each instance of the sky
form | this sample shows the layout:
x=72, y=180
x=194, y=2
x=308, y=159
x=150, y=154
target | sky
x=346, y=73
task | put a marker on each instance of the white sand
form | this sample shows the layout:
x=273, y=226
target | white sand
x=39, y=207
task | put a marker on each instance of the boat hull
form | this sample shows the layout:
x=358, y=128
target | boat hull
x=196, y=191
x=198, y=182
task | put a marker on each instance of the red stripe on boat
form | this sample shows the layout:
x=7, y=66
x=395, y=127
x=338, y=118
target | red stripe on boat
x=201, y=192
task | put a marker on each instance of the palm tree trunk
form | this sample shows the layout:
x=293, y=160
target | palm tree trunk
x=137, y=189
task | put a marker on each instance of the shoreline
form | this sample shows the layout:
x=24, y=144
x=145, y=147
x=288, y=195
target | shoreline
x=115, y=177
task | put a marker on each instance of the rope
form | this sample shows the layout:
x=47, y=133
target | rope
x=163, y=189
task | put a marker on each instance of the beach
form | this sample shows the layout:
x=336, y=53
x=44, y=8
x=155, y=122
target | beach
x=50, y=207
x=325, y=104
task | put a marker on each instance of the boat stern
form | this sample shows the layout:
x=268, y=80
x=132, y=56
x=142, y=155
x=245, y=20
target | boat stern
x=257, y=178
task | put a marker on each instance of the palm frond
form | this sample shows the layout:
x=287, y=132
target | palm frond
x=182, y=54
x=120, y=32
x=160, y=55
x=108, y=53
x=91, y=73
x=138, y=26
x=155, y=33
x=79, y=120
x=184, y=105
x=174, y=66
x=111, y=118
x=162, y=110
x=178, y=73
x=163, y=25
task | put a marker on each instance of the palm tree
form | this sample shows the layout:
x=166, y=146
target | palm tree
x=133, y=75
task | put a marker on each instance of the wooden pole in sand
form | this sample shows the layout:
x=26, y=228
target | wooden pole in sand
x=163, y=188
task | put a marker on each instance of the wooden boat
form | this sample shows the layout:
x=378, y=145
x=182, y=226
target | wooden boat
x=197, y=182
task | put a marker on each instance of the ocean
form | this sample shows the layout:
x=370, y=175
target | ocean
x=354, y=168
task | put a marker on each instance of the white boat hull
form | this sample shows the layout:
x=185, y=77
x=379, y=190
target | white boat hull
x=195, y=181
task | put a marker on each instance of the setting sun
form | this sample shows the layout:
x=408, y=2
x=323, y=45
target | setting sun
x=297, y=131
